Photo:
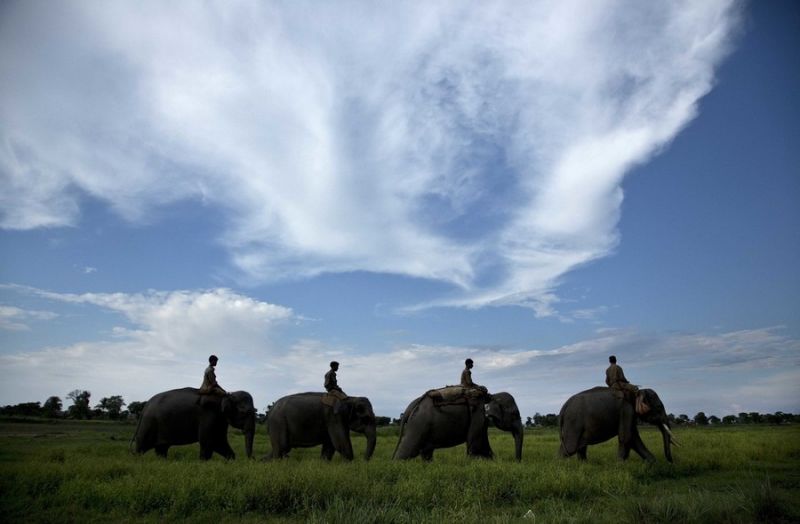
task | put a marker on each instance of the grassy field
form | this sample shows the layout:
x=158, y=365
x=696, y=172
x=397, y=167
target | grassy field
x=76, y=471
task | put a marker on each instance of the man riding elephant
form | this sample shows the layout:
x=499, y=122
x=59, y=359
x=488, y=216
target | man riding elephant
x=615, y=379
x=331, y=384
x=466, y=377
x=210, y=385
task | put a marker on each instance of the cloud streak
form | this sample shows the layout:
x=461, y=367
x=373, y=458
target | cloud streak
x=15, y=319
x=166, y=337
x=483, y=145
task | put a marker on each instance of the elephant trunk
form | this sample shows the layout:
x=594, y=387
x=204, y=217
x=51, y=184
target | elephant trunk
x=518, y=432
x=249, y=435
x=370, y=433
x=666, y=436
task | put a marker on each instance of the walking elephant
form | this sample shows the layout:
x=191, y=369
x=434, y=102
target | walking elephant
x=426, y=426
x=303, y=421
x=598, y=414
x=183, y=416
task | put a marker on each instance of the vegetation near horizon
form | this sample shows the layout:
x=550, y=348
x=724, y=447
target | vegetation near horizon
x=77, y=470
x=111, y=408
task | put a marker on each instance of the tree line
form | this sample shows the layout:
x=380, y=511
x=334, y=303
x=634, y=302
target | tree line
x=700, y=419
x=111, y=408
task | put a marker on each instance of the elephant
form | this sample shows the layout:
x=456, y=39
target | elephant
x=425, y=427
x=183, y=416
x=302, y=420
x=598, y=414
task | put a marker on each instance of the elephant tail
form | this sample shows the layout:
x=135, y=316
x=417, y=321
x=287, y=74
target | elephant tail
x=135, y=433
x=406, y=416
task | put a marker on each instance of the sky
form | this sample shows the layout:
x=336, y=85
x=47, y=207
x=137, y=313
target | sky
x=399, y=187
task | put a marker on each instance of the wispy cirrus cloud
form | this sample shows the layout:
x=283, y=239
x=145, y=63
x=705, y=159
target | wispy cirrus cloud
x=13, y=318
x=479, y=145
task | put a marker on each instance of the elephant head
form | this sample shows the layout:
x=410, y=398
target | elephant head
x=241, y=413
x=503, y=412
x=650, y=409
x=358, y=414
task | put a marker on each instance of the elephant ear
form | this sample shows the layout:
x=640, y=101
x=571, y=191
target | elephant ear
x=227, y=404
x=341, y=407
x=642, y=408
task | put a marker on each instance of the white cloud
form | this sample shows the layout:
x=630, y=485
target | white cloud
x=178, y=322
x=481, y=145
x=14, y=318
x=170, y=335
x=164, y=343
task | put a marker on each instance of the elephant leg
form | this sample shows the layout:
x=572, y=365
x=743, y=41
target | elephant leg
x=640, y=449
x=224, y=449
x=627, y=432
x=340, y=438
x=206, y=452
x=280, y=442
x=142, y=447
x=206, y=440
x=477, y=434
x=327, y=450
x=161, y=450
x=427, y=453
x=346, y=450
x=582, y=452
x=409, y=446
x=569, y=443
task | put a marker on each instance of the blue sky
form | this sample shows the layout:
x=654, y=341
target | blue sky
x=400, y=189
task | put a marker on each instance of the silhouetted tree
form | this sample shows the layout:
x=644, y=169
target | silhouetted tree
x=25, y=409
x=135, y=408
x=80, y=404
x=549, y=420
x=701, y=419
x=111, y=406
x=52, y=407
x=713, y=419
x=729, y=419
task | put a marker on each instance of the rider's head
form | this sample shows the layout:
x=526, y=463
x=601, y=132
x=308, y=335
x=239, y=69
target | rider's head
x=334, y=365
x=213, y=360
x=612, y=359
x=468, y=363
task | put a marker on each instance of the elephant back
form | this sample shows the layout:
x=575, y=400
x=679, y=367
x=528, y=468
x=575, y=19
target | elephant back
x=181, y=402
x=450, y=395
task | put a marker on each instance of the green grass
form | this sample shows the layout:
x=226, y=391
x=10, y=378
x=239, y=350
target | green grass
x=75, y=471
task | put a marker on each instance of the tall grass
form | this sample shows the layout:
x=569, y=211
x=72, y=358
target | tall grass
x=84, y=472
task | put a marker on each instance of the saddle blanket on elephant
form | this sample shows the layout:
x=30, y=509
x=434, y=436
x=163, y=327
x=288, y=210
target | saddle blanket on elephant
x=331, y=397
x=454, y=395
x=635, y=398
